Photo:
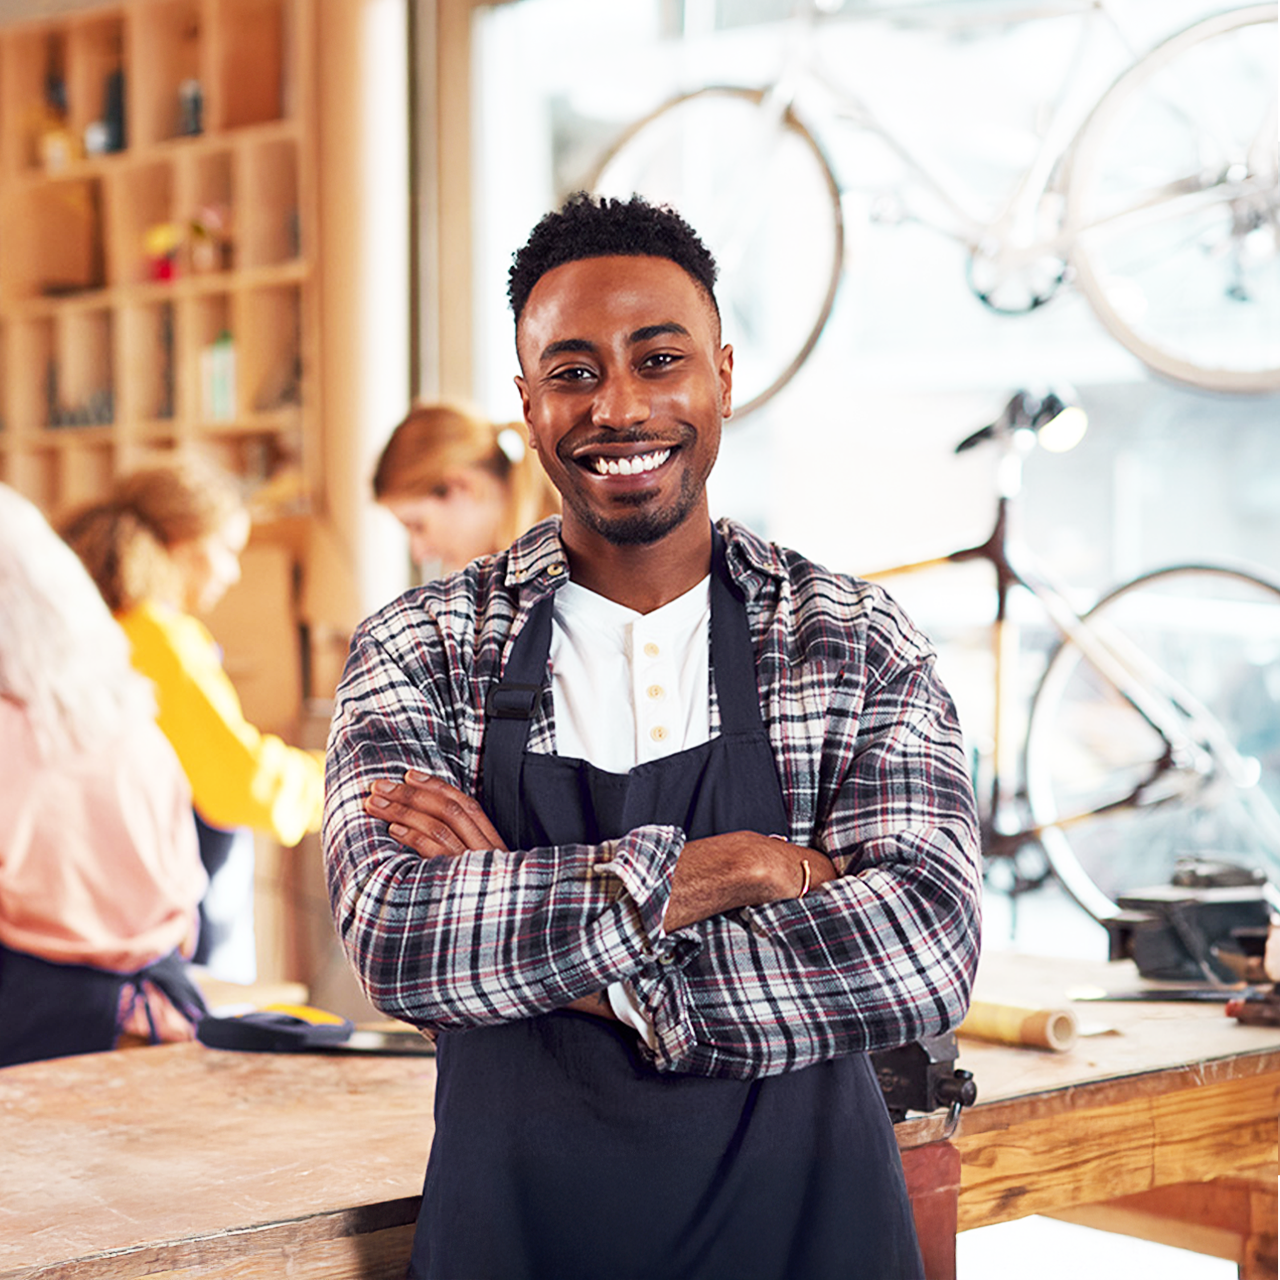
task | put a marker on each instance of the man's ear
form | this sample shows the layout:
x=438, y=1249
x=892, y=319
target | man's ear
x=523, y=388
x=726, y=381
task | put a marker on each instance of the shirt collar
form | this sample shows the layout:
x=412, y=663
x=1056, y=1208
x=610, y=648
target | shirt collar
x=537, y=558
x=753, y=563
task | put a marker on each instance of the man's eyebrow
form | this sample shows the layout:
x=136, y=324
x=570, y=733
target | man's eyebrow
x=566, y=345
x=657, y=330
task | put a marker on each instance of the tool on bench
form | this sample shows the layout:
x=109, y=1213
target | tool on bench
x=922, y=1076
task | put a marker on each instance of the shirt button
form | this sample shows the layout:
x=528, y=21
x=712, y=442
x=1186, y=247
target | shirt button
x=655, y=691
x=658, y=733
x=651, y=650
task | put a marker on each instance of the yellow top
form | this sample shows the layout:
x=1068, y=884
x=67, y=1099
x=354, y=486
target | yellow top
x=239, y=777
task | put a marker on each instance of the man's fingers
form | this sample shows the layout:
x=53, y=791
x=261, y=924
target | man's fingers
x=464, y=813
x=422, y=843
x=438, y=818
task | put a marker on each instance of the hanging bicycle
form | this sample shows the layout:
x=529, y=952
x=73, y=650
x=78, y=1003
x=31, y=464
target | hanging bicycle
x=1158, y=200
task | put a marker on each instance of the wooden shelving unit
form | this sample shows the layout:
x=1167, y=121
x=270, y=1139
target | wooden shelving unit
x=132, y=240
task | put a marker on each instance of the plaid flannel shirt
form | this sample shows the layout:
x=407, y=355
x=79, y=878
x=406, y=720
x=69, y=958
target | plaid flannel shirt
x=873, y=773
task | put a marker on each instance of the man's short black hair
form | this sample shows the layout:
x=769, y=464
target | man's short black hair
x=587, y=226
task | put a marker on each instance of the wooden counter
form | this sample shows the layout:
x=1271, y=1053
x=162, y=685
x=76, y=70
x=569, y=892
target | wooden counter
x=1179, y=1094
x=187, y=1161
x=184, y=1161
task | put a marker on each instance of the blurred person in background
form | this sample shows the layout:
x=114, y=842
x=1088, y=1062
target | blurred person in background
x=164, y=546
x=462, y=486
x=100, y=872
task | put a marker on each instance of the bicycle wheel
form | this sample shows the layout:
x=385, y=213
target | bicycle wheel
x=1205, y=644
x=755, y=184
x=1173, y=205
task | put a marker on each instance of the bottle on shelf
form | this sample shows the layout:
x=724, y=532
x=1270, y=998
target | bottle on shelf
x=218, y=379
x=56, y=143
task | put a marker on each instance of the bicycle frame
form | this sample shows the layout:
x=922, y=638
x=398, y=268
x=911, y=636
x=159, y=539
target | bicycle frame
x=1193, y=741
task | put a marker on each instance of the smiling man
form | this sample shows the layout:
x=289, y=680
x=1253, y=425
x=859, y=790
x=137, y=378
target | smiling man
x=658, y=825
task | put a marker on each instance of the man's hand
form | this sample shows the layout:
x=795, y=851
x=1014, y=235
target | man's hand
x=740, y=869
x=431, y=817
x=437, y=820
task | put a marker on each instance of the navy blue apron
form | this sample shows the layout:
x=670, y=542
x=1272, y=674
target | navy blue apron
x=560, y=1153
x=50, y=1010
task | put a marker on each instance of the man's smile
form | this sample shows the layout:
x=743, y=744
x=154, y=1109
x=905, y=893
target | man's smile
x=632, y=465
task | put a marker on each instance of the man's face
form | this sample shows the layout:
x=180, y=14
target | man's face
x=624, y=385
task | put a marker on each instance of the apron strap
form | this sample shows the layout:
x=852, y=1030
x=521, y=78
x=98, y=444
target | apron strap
x=733, y=660
x=509, y=708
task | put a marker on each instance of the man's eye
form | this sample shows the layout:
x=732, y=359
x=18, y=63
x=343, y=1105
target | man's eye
x=661, y=360
x=573, y=373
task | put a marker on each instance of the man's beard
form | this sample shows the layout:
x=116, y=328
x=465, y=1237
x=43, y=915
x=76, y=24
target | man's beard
x=648, y=523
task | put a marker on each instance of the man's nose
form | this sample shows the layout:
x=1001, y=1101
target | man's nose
x=621, y=401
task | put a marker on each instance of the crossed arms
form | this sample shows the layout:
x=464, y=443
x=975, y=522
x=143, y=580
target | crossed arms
x=740, y=975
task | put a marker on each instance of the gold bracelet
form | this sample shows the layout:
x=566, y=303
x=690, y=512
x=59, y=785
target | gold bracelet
x=804, y=867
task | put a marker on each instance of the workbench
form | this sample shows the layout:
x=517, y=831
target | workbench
x=184, y=1161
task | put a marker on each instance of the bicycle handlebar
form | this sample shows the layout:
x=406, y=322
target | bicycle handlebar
x=1026, y=411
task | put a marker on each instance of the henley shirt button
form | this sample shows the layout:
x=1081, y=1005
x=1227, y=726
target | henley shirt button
x=651, y=650
x=655, y=691
x=658, y=733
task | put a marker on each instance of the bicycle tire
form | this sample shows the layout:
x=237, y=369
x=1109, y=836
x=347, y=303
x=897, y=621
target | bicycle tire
x=764, y=197
x=1175, y=235
x=1215, y=632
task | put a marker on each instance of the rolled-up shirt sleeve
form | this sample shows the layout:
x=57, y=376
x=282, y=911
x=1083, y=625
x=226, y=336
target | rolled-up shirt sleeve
x=882, y=955
x=490, y=935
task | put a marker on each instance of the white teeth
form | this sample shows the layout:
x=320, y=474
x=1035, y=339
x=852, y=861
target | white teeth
x=630, y=466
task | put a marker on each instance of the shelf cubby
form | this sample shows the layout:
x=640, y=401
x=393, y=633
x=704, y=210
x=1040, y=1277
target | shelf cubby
x=254, y=76
x=85, y=355
x=269, y=351
x=26, y=60
x=33, y=359
x=168, y=57
x=97, y=84
x=270, y=229
x=53, y=240
x=84, y=468
x=148, y=392
x=35, y=472
x=210, y=213
x=142, y=202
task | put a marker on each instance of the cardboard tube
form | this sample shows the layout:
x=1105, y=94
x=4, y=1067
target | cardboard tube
x=1054, y=1029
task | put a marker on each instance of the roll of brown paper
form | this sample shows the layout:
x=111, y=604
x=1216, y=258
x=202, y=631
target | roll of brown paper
x=1054, y=1029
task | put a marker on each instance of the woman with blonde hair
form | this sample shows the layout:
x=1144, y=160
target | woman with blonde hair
x=163, y=547
x=100, y=873
x=462, y=486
